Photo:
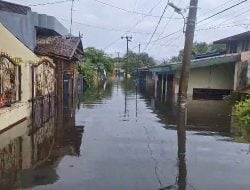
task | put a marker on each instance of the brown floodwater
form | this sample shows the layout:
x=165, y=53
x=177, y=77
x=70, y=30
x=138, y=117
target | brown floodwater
x=122, y=137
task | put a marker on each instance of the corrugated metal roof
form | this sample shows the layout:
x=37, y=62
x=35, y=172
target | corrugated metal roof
x=14, y=8
x=59, y=46
x=199, y=63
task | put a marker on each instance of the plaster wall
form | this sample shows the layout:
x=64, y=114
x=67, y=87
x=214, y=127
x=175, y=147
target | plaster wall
x=212, y=77
x=13, y=47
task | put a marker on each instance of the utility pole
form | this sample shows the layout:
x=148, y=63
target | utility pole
x=190, y=29
x=71, y=17
x=137, y=66
x=118, y=57
x=128, y=39
x=117, y=62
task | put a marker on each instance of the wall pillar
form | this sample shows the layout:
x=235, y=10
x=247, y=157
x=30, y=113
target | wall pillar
x=156, y=81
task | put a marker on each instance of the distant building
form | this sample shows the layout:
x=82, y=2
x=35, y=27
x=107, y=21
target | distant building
x=211, y=75
x=237, y=43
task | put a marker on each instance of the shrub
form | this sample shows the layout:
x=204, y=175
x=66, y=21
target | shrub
x=243, y=114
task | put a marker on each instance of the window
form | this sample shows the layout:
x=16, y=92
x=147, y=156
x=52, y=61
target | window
x=9, y=81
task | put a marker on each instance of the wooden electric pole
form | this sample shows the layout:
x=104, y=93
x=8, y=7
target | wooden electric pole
x=189, y=34
x=137, y=66
x=128, y=39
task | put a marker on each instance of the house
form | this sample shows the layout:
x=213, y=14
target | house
x=17, y=82
x=210, y=77
x=237, y=43
x=43, y=61
x=66, y=53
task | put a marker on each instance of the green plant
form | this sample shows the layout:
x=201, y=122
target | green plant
x=243, y=114
x=88, y=73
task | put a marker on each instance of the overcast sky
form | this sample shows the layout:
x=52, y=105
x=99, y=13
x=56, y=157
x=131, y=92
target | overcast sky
x=102, y=26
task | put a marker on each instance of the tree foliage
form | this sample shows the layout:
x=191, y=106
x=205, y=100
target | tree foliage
x=95, y=59
x=243, y=114
x=134, y=60
x=199, y=48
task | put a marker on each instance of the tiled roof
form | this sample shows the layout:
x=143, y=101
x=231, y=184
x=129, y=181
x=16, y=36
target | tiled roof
x=59, y=46
x=14, y=8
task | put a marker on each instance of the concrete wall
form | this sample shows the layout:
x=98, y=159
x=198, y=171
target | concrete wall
x=21, y=26
x=213, y=77
x=245, y=61
x=24, y=26
x=13, y=47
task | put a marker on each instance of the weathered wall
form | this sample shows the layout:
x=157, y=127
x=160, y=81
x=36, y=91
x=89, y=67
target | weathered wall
x=213, y=77
x=245, y=58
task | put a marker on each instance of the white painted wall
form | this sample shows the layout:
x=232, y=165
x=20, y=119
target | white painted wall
x=213, y=77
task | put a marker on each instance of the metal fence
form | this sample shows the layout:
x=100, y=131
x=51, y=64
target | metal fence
x=44, y=108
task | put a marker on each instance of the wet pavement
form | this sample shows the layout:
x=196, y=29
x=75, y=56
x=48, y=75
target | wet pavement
x=129, y=141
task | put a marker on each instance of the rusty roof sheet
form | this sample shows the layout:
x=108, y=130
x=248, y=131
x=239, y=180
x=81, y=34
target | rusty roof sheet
x=59, y=46
x=14, y=8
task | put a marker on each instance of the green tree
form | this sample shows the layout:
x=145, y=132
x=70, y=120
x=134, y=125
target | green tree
x=200, y=48
x=134, y=59
x=243, y=114
x=97, y=58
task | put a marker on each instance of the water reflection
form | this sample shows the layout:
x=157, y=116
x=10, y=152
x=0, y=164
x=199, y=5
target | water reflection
x=96, y=95
x=205, y=115
x=181, y=134
x=29, y=155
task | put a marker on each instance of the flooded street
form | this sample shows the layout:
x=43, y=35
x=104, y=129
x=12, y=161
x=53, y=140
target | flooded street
x=129, y=141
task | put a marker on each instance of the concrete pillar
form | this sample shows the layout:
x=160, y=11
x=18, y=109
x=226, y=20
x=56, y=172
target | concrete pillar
x=236, y=76
x=155, y=80
x=162, y=86
x=166, y=87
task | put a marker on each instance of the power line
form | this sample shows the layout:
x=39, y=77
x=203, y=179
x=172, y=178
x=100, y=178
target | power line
x=222, y=11
x=171, y=34
x=133, y=26
x=232, y=17
x=157, y=25
x=236, y=16
x=129, y=11
x=168, y=22
x=204, y=29
x=49, y=3
x=221, y=5
x=223, y=26
x=105, y=28
x=203, y=19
